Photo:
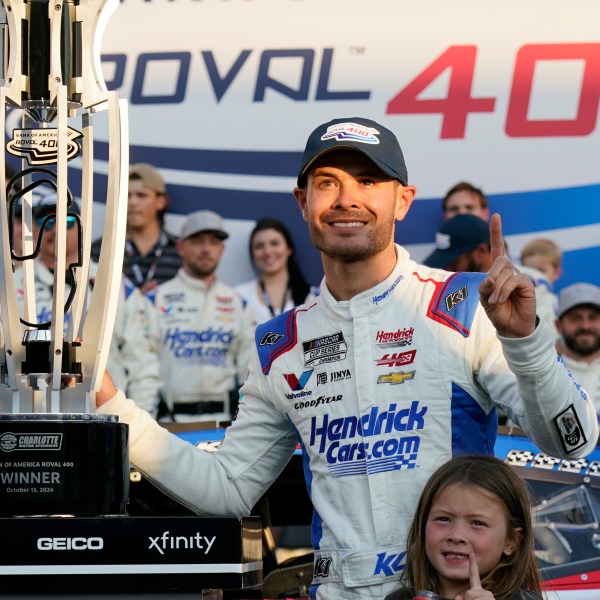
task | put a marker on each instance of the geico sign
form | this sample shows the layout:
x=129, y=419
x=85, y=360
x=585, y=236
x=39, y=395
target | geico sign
x=68, y=543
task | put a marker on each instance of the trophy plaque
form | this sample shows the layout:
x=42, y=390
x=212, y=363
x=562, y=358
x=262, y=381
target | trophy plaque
x=57, y=457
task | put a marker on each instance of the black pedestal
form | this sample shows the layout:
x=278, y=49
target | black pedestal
x=128, y=554
x=63, y=464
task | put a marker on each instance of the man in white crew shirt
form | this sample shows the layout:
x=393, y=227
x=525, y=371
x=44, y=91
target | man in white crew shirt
x=579, y=326
x=205, y=334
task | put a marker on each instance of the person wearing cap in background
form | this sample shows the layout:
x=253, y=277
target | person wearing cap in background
x=462, y=244
x=205, y=333
x=394, y=368
x=578, y=324
x=151, y=255
x=132, y=358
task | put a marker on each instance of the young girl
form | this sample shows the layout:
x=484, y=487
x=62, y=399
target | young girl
x=471, y=537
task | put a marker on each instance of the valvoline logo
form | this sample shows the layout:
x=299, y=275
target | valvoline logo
x=166, y=310
x=295, y=383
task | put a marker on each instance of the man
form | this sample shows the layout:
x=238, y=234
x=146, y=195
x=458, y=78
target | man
x=462, y=244
x=579, y=325
x=151, y=256
x=205, y=333
x=393, y=369
x=465, y=198
x=132, y=359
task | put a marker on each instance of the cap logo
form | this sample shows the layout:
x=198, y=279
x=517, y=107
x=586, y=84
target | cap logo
x=352, y=132
x=442, y=241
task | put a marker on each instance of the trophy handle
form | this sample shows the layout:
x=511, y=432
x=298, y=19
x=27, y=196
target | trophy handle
x=99, y=323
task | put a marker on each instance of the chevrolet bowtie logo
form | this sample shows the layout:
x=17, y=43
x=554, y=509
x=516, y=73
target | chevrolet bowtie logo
x=395, y=378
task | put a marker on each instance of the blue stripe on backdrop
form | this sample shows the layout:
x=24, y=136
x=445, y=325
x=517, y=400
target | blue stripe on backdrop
x=580, y=265
x=240, y=162
x=522, y=212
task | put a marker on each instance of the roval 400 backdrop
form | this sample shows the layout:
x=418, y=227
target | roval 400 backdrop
x=223, y=93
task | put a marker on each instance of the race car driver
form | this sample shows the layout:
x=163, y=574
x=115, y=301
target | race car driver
x=394, y=368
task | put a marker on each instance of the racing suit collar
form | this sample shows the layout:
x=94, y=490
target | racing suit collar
x=193, y=282
x=373, y=299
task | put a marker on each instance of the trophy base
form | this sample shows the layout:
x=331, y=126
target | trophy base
x=63, y=464
x=124, y=554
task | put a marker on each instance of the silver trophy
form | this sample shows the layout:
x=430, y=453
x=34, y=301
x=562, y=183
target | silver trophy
x=56, y=455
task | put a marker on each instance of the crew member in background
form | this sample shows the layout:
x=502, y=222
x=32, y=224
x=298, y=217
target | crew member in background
x=465, y=199
x=463, y=244
x=151, y=256
x=132, y=357
x=579, y=325
x=205, y=334
x=280, y=284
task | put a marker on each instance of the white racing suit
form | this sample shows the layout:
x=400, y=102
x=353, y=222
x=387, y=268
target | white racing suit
x=132, y=360
x=204, y=339
x=380, y=390
x=588, y=375
x=546, y=300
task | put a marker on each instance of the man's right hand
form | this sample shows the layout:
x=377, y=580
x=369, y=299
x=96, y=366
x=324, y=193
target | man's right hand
x=507, y=295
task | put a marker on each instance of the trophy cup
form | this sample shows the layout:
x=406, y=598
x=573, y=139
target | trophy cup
x=56, y=456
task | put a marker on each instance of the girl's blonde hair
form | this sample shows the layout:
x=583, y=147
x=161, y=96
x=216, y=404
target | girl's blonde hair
x=501, y=483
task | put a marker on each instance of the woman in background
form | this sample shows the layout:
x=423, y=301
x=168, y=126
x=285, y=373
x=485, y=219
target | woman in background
x=280, y=284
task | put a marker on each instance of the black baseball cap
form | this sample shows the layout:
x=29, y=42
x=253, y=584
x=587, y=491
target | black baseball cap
x=372, y=139
x=457, y=235
x=45, y=204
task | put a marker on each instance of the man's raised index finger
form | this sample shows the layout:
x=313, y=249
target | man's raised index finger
x=474, y=573
x=497, y=246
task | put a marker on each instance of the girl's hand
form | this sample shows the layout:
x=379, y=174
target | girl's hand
x=476, y=592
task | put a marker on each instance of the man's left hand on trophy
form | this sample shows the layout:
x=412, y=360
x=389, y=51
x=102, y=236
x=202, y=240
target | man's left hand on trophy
x=107, y=390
